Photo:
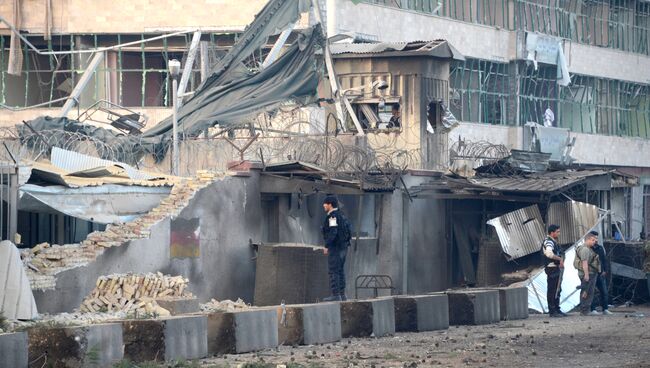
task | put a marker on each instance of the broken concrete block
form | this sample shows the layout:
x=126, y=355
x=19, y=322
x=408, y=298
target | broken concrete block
x=308, y=324
x=513, y=303
x=362, y=318
x=14, y=350
x=17, y=301
x=242, y=332
x=421, y=313
x=473, y=307
x=166, y=339
x=78, y=346
x=178, y=306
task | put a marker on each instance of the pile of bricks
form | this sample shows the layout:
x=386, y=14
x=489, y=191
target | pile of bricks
x=44, y=261
x=134, y=293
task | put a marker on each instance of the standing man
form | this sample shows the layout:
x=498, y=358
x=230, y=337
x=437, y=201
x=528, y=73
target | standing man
x=395, y=120
x=588, y=266
x=336, y=233
x=552, y=253
x=601, y=281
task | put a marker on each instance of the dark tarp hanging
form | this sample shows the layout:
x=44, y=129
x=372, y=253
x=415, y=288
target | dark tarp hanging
x=295, y=75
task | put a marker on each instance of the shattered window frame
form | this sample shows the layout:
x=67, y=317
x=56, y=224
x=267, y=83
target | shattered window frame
x=373, y=104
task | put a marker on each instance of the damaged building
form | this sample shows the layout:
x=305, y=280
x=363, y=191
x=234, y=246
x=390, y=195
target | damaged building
x=115, y=163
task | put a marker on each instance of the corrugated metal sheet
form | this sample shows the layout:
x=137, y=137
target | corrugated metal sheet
x=71, y=161
x=366, y=48
x=435, y=48
x=569, y=298
x=520, y=232
x=520, y=184
x=574, y=218
x=16, y=298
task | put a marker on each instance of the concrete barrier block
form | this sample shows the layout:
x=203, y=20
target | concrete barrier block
x=14, y=350
x=79, y=346
x=242, y=332
x=474, y=307
x=166, y=339
x=362, y=318
x=309, y=324
x=513, y=303
x=178, y=306
x=421, y=313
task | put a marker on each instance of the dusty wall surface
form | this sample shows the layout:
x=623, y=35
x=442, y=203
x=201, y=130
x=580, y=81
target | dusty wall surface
x=428, y=250
x=134, y=16
x=10, y=118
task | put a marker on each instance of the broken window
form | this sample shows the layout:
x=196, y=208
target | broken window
x=479, y=91
x=377, y=114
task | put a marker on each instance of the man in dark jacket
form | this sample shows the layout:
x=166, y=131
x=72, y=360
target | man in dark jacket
x=601, y=282
x=336, y=234
x=554, y=267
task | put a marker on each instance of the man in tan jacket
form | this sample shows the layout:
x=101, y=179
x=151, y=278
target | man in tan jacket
x=588, y=266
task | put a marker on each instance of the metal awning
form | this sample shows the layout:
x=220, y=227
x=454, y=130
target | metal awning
x=297, y=176
x=521, y=187
x=104, y=204
x=435, y=48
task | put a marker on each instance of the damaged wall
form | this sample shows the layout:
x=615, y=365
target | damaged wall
x=229, y=213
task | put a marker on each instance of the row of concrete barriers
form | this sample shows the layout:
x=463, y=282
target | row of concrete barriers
x=196, y=336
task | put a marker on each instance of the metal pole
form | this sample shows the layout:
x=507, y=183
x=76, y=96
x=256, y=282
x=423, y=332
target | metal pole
x=189, y=63
x=277, y=46
x=175, y=126
x=85, y=78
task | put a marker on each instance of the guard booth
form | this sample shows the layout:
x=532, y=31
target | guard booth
x=375, y=77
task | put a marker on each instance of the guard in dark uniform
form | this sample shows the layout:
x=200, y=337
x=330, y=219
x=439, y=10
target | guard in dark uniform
x=336, y=233
x=552, y=254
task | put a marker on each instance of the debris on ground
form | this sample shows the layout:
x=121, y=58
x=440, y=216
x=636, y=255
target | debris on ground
x=226, y=305
x=135, y=293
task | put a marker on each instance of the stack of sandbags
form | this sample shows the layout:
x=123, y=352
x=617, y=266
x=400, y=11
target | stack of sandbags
x=134, y=293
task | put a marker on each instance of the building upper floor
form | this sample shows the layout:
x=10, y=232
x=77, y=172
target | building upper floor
x=617, y=24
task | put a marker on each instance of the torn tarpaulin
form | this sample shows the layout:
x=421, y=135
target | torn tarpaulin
x=295, y=75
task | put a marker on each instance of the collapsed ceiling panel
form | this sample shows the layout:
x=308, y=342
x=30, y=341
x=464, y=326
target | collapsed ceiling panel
x=520, y=232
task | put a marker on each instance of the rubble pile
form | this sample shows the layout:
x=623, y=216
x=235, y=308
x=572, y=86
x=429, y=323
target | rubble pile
x=134, y=293
x=45, y=260
x=224, y=306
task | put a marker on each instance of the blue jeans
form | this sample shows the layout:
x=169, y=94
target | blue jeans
x=336, y=265
x=601, y=285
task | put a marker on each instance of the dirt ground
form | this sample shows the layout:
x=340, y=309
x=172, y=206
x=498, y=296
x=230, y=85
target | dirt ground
x=620, y=340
